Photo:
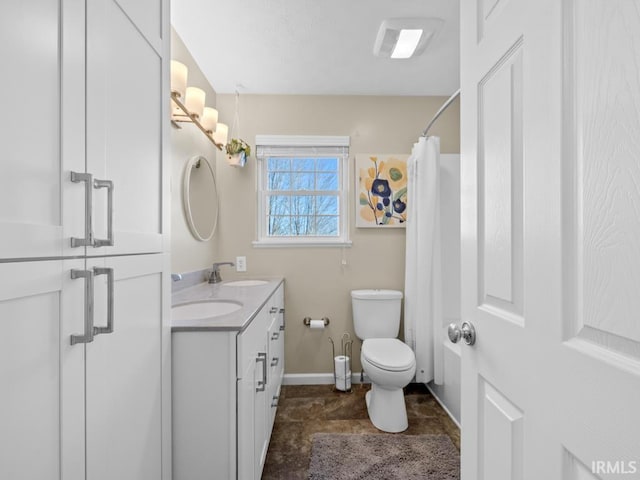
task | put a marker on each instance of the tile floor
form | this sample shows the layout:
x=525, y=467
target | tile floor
x=307, y=409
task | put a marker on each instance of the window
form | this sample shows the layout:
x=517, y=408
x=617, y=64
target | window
x=302, y=190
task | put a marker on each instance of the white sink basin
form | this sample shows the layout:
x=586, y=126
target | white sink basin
x=246, y=283
x=204, y=309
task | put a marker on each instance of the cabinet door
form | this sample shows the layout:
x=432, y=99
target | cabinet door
x=246, y=421
x=279, y=304
x=274, y=342
x=42, y=53
x=124, y=372
x=41, y=373
x=261, y=419
x=277, y=341
x=127, y=98
x=253, y=388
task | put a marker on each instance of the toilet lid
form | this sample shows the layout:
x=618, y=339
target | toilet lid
x=388, y=354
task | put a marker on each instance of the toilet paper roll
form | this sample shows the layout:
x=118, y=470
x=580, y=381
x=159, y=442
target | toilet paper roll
x=343, y=384
x=316, y=324
x=342, y=365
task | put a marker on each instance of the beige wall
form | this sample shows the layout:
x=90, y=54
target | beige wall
x=187, y=253
x=317, y=284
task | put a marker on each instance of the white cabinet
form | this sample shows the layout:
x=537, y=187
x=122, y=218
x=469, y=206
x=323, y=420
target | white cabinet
x=225, y=386
x=87, y=85
x=126, y=97
x=110, y=389
x=252, y=396
x=124, y=372
x=261, y=354
x=42, y=397
x=275, y=353
x=39, y=207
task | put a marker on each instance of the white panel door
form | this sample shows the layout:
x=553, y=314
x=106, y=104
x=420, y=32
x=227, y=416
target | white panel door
x=126, y=92
x=550, y=234
x=124, y=372
x=42, y=53
x=41, y=373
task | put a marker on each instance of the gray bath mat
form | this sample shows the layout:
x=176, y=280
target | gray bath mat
x=339, y=456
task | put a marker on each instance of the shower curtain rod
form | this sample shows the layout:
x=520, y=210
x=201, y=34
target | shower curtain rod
x=439, y=112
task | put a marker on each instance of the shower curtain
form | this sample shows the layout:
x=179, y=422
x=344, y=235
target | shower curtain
x=423, y=282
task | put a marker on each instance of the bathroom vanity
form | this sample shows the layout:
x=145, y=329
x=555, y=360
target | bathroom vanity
x=227, y=369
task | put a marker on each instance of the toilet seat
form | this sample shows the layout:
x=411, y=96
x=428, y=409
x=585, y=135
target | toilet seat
x=388, y=354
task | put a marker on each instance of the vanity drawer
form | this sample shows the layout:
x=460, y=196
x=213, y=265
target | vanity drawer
x=252, y=344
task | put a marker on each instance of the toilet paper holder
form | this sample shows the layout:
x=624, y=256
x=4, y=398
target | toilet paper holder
x=307, y=321
x=342, y=380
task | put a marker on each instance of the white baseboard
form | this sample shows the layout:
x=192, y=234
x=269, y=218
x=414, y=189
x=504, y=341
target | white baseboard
x=317, y=379
x=444, y=407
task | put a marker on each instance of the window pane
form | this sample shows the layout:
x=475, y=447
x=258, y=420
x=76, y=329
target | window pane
x=303, y=225
x=279, y=226
x=302, y=205
x=303, y=164
x=279, y=205
x=279, y=181
x=327, y=181
x=303, y=181
x=327, y=205
x=276, y=163
x=327, y=164
x=327, y=226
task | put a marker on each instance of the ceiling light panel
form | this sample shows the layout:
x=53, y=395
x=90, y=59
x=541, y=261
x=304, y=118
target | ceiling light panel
x=401, y=38
x=407, y=43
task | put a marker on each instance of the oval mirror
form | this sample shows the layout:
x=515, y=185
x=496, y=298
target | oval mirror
x=200, y=198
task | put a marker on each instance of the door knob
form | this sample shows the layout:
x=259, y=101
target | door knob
x=467, y=333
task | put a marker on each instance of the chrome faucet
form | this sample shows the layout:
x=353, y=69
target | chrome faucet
x=215, y=277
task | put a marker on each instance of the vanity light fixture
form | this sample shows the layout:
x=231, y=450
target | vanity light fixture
x=189, y=106
x=402, y=38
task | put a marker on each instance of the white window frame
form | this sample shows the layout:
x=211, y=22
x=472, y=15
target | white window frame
x=285, y=146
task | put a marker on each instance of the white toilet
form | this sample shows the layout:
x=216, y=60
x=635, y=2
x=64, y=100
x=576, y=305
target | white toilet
x=389, y=363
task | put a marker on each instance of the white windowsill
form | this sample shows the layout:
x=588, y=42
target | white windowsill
x=297, y=243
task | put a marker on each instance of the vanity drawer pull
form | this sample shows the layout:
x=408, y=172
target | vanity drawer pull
x=262, y=384
x=274, y=403
x=275, y=335
x=273, y=310
x=275, y=361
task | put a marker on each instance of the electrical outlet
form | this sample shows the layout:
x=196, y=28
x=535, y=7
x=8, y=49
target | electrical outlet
x=241, y=264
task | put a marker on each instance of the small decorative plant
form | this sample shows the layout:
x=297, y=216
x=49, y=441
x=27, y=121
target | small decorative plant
x=237, y=146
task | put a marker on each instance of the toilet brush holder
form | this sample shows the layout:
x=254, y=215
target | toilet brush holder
x=342, y=363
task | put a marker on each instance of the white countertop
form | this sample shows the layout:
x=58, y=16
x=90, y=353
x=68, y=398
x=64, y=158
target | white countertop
x=253, y=298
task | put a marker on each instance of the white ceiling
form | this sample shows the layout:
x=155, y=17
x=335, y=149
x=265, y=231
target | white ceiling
x=315, y=47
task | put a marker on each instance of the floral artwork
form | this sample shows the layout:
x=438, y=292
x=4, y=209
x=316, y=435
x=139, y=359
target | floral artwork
x=381, y=190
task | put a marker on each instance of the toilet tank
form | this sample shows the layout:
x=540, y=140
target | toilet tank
x=376, y=313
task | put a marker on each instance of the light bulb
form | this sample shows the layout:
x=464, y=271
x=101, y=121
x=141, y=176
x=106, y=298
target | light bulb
x=179, y=74
x=194, y=101
x=209, y=119
x=221, y=134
